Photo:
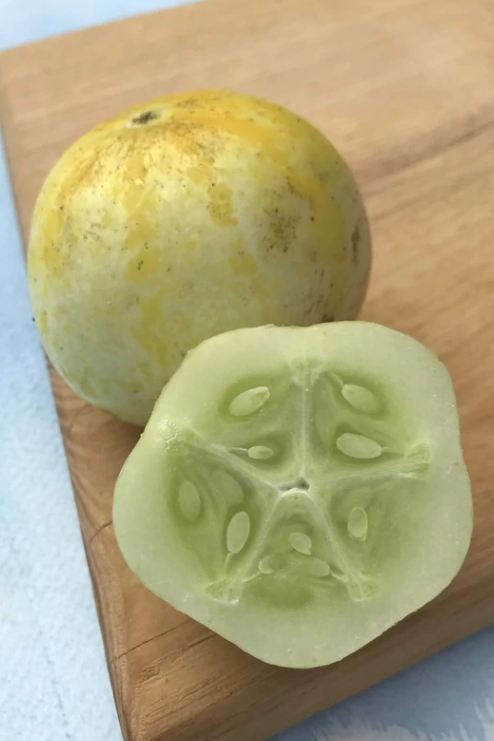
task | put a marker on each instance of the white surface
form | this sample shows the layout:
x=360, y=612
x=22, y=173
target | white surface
x=54, y=683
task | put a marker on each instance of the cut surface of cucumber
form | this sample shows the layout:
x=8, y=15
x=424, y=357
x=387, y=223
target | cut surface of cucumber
x=299, y=490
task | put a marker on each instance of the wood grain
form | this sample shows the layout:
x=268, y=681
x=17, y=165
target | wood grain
x=404, y=89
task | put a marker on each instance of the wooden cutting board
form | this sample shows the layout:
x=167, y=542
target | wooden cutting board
x=404, y=88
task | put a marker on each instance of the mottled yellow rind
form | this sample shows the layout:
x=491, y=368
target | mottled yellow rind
x=177, y=220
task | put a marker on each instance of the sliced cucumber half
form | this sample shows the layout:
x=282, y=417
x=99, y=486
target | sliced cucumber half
x=299, y=490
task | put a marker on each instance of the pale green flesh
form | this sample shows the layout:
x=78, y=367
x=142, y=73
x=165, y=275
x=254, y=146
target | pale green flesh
x=299, y=490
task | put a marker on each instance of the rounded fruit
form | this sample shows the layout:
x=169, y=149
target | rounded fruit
x=178, y=220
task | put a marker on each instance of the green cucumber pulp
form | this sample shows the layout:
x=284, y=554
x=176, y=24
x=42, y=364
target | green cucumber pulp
x=299, y=490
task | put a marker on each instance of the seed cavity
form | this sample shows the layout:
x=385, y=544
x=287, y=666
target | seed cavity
x=249, y=401
x=417, y=461
x=269, y=564
x=313, y=567
x=361, y=398
x=359, y=497
x=358, y=524
x=237, y=532
x=260, y=452
x=361, y=589
x=228, y=486
x=358, y=446
x=189, y=501
x=300, y=542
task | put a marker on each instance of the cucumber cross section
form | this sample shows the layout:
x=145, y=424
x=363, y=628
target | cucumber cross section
x=299, y=490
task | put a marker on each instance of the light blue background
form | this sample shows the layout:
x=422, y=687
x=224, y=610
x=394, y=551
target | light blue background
x=54, y=684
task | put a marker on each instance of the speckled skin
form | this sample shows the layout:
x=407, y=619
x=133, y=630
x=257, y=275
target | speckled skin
x=180, y=219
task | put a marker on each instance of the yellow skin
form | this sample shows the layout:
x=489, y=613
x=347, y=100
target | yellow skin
x=180, y=219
